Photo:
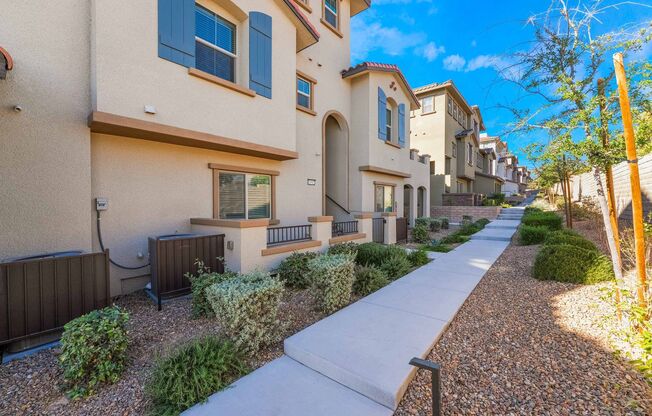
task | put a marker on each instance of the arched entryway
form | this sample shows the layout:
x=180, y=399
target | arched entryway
x=335, y=165
x=421, y=202
x=407, y=203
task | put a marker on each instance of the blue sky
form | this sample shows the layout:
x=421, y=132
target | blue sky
x=436, y=40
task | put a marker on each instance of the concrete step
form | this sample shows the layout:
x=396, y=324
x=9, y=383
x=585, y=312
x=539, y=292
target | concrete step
x=509, y=217
x=285, y=387
x=494, y=234
x=507, y=224
x=515, y=210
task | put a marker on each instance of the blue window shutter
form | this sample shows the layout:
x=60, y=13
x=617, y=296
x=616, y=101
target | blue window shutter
x=176, y=31
x=260, y=53
x=401, y=125
x=382, y=114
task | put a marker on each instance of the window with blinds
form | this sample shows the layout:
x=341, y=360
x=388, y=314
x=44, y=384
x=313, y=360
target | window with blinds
x=244, y=196
x=384, y=198
x=304, y=93
x=330, y=12
x=215, y=44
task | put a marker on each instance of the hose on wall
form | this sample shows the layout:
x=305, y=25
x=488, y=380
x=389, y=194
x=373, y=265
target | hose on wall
x=116, y=264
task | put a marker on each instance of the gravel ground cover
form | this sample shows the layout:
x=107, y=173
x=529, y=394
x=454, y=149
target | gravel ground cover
x=32, y=386
x=520, y=346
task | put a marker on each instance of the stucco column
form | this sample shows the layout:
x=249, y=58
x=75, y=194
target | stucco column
x=322, y=229
x=390, y=227
x=243, y=240
x=365, y=226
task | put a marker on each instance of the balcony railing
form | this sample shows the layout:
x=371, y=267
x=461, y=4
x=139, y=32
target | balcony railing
x=345, y=227
x=289, y=234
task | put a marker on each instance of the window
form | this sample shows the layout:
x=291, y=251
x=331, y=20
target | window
x=432, y=167
x=455, y=111
x=330, y=12
x=384, y=198
x=469, y=154
x=475, y=128
x=215, y=40
x=454, y=149
x=460, y=186
x=428, y=105
x=479, y=161
x=244, y=196
x=450, y=106
x=388, y=118
x=447, y=167
x=304, y=93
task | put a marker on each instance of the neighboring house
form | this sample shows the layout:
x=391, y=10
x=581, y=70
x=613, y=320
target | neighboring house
x=506, y=166
x=523, y=178
x=486, y=180
x=447, y=128
x=213, y=116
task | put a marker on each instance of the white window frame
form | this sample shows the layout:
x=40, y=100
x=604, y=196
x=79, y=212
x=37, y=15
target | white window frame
x=432, y=104
x=454, y=149
x=336, y=12
x=388, y=122
x=309, y=96
x=469, y=158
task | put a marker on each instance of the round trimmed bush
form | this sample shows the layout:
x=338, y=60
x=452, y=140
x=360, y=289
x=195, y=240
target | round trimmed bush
x=420, y=234
x=94, y=350
x=571, y=264
x=344, y=248
x=557, y=238
x=332, y=278
x=547, y=219
x=368, y=279
x=435, y=225
x=198, y=285
x=396, y=264
x=445, y=223
x=418, y=258
x=532, y=234
x=370, y=254
x=482, y=222
x=193, y=372
x=293, y=270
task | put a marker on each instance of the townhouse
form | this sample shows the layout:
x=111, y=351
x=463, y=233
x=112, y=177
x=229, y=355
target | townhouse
x=448, y=128
x=515, y=178
x=243, y=118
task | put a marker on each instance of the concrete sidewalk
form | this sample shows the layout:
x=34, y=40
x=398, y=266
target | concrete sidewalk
x=355, y=362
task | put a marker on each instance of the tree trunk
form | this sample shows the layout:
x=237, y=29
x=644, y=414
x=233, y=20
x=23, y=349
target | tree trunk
x=613, y=247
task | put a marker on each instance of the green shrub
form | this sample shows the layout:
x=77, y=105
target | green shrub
x=439, y=248
x=468, y=229
x=490, y=203
x=368, y=279
x=532, y=210
x=445, y=223
x=332, y=280
x=454, y=239
x=395, y=264
x=558, y=237
x=424, y=221
x=547, y=219
x=293, y=270
x=344, y=248
x=418, y=258
x=532, y=234
x=93, y=350
x=193, y=372
x=565, y=263
x=248, y=309
x=435, y=225
x=467, y=218
x=420, y=234
x=370, y=254
x=198, y=284
x=482, y=222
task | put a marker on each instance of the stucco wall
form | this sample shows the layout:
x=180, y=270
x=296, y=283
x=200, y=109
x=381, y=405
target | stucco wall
x=129, y=74
x=45, y=156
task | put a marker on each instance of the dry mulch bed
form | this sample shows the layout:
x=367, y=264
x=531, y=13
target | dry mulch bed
x=520, y=346
x=32, y=386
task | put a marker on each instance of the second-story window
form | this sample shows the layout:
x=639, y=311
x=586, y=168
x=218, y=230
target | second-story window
x=304, y=93
x=450, y=106
x=330, y=13
x=454, y=149
x=215, y=40
x=428, y=105
x=389, y=124
x=469, y=154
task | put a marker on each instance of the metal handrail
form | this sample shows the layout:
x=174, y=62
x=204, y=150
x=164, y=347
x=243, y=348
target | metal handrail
x=288, y=234
x=344, y=227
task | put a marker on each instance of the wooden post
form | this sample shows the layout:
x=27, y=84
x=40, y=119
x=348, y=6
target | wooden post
x=611, y=199
x=635, y=180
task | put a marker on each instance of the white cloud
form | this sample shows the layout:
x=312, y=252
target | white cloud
x=371, y=36
x=485, y=61
x=432, y=10
x=474, y=43
x=454, y=63
x=430, y=51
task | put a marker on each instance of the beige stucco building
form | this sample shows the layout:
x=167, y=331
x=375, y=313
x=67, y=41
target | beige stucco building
x=447, y=128
x=515, y=178
x=209, y=116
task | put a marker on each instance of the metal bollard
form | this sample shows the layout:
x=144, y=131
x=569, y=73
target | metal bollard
x=436, y=382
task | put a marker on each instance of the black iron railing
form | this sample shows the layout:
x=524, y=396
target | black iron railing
x=289, y=234
x=345, y=227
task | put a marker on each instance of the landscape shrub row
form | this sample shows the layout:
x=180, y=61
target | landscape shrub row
x=537, y=224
